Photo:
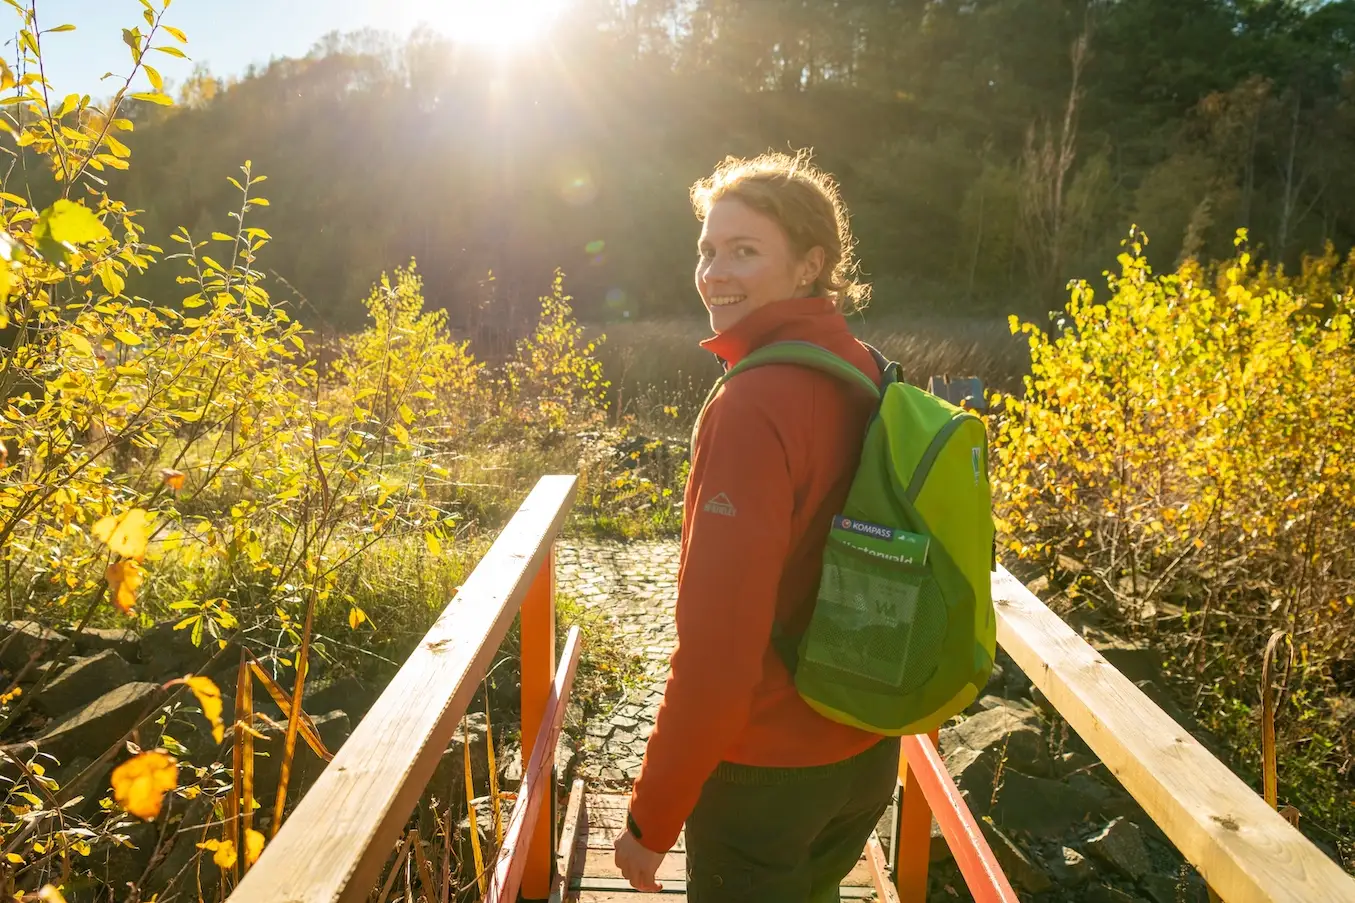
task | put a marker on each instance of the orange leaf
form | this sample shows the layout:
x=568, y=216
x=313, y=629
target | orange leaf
x=174, y=479
x=140, y=783
x=124, y=579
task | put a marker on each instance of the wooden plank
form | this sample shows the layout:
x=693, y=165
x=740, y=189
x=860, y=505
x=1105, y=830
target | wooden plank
x=607, y=818
x=879, y=871
x=982, y=874
x=1244, y=849
x=912, y=835
x=573, y=840
x=597, y=890
x=860, y=875
x=602, y=864
x=538, y=786
x=537, y=631
x=338, y=839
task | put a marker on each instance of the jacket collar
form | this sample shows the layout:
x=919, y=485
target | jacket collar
x=792, y=320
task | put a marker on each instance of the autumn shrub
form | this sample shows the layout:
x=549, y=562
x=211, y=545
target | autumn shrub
x=555, y=377
x=1181, y=457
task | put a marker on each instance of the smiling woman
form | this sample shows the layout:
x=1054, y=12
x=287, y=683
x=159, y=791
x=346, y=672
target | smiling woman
x=492, y=23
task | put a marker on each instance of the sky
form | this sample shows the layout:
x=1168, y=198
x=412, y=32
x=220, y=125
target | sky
x=229, y=35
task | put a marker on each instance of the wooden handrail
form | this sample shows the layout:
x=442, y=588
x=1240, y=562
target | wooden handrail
x=535, y=787
x=1244, y=849
x=336, y=842
x=983, y=876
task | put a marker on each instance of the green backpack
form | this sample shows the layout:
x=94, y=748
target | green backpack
x=903, y=632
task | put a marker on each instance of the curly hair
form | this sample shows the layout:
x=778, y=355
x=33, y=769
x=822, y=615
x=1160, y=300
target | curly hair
x=805, y=201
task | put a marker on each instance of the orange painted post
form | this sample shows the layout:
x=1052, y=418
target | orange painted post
x=912, y=837
x=538, y=676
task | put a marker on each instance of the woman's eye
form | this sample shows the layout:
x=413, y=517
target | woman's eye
x=745, y=252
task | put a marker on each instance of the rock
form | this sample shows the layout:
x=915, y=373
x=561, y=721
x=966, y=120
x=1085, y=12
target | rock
x=1017, y=866
x=1104, y=893
x=123, y=641
x=938, y=849
x=98, y=725
x=1074, y=762
x=1120, y=843
x=1009, y=728
x=1135, y=661
x=1161, y=888
x=82, y=682
x=349, y=693
x=166, y=653
x=22, y=639
x=1073, y=869
x=449, y=778
x=333, y=728
x=92, y=788
x=119, y=865
x=972, y=771
x=1040, y=806
x=184, y=832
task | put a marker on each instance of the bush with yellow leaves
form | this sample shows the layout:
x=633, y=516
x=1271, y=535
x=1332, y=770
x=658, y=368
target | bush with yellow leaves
x=1183, y=450
x=179, y=459
x=556, y=377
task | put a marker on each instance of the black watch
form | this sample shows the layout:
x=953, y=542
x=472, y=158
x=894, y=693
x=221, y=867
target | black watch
x=633, y=827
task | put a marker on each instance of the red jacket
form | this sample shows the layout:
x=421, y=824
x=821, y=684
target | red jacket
x=772, y=463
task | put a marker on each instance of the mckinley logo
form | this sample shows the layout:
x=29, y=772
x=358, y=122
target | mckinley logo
x=721, y=505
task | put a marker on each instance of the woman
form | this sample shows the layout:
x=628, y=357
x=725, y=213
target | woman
x=778, y=801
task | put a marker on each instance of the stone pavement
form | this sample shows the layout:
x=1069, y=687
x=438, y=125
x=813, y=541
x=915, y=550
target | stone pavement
x=635, y=586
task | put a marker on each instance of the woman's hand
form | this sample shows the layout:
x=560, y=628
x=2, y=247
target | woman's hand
x=637, y=863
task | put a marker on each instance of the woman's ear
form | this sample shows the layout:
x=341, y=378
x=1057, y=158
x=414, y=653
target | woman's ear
x=811, y=267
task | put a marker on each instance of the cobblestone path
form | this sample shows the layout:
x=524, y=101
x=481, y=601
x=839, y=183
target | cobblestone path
x=635, y=585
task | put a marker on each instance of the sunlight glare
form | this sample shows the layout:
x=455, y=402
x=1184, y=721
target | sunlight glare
x=491, y=23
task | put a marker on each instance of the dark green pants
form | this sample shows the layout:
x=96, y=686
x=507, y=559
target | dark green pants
x=773, y=835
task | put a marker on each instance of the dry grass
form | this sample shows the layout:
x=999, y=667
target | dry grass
x=659, y=364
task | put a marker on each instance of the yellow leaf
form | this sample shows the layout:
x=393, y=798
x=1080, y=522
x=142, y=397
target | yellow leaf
x=155, y=98
x=253, y=846
x=124, y=579
x=434, y=547
x=113, y=282
x=14, y=858
x=79, y=343
x=209, y=697
x=406, y=414
x=174, y=479
x=355, y=617
x=50, y=894
x=140, y=783
x=223, y=852
x=126, y=533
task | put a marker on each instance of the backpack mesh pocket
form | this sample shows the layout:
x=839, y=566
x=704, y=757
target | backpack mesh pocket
x=878, y=622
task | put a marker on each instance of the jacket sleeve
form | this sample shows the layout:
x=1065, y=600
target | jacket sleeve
x=740, y=499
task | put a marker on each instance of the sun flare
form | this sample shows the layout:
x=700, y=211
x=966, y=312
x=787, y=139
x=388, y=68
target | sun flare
x=491, y=23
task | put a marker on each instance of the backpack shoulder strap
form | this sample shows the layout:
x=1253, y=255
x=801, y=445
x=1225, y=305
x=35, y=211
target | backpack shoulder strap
x=807, y=354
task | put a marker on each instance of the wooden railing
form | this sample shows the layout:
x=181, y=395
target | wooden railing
x=344, y=831
x=1244, y=850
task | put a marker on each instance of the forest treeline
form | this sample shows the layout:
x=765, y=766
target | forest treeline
x=990, y=149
